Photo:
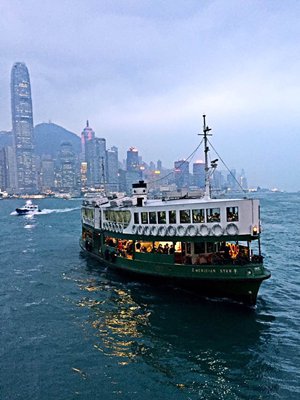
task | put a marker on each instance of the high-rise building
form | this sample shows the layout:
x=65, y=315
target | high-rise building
x=112, y=169
x=132, y=161
x=47, y=174
x=182, y=175
x=199, y=174
x=3, y=169
x=22, y=128
x=67, y=174
x=88, y=152
x=100, y=162
x=93, y=152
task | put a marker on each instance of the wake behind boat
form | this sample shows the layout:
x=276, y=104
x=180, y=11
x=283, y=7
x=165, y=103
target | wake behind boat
x=210, y=246
x=28, y=208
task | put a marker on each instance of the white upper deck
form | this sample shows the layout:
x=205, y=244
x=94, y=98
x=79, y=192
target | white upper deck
x=180, y=217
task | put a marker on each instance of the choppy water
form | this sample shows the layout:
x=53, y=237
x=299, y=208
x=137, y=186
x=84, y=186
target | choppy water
x=70, y=329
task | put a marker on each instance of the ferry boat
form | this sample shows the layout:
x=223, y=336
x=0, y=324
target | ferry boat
x=28, y=208
x=205, y=245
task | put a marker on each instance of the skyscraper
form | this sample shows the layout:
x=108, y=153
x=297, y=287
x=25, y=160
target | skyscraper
x=112, y=169
x=93, y=152
x=66, y=160
x=182, y=173
x=22, y=126
x=199, y=174
x=132, y=161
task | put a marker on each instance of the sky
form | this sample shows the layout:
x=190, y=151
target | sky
x=144, y=72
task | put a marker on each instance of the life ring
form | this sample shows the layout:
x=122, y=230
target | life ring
x=233, y=250
x=140, y=230
x=191, y=230
x=204, y=230
x=161, y=231
x=171, y=231
x=120, y=228
x=147, y=230
x=153, y=230
x=180, y=230
x=134, y=229
x=232, y=229
x=217, y=230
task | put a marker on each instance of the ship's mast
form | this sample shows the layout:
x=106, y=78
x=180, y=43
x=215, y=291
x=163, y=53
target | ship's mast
x=206, y=129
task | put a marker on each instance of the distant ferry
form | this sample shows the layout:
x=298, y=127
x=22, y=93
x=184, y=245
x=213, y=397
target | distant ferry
x=28, y=208
x=209, y=246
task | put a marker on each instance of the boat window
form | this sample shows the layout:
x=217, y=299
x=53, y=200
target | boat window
x=88, y=214
x=136, y=218
x=188, y=248
x=185, y=216
x=144, y=216
x=210, y=247
x=161, y=217
x=122, y=217
x=172, y=217
x=213, y=215
x=199, y=248
x=232, y=214
x=198, y=216
x=152, y=217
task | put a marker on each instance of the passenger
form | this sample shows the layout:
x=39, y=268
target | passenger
x=138, y=246
x=172, y=249
x=166, y=249
x=160, y=249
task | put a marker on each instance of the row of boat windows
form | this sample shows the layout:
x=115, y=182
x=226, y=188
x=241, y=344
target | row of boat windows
x=121, y=216
x=195, y=216
x=88, y=213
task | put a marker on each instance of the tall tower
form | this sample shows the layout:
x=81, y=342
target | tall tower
x=67, y=167
x=88, y=151
x=181, y=168
x=199, y=174
x=22, y=125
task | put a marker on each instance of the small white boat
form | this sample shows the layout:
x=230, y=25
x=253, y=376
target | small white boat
x=28, y=208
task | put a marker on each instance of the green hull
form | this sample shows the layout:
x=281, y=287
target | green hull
x=237, y=282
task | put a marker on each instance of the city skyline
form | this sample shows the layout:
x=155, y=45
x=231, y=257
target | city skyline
x=158, y=68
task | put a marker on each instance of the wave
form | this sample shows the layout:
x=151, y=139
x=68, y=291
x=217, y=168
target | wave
x=56, y=210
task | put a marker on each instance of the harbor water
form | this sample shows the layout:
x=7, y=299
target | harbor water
x=71, y=329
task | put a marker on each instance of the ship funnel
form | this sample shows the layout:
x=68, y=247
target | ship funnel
x=140, y=192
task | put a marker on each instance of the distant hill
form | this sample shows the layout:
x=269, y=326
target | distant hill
x=48, y=138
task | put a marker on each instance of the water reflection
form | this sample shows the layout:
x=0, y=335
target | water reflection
x=198, y=346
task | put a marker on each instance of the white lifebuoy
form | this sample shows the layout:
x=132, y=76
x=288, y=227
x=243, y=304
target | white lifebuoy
x=118, y=228
x=161, y=231
x=191, y=230
x=140, y=230
x=217, y=230
x=232, y=229
x=180, y=230
x=153, y=230
x=171, y=231
x=203, y=230
x=147, y=230
x=134, y=229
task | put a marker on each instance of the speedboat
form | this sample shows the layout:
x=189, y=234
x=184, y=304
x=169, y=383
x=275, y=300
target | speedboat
x=28, y=208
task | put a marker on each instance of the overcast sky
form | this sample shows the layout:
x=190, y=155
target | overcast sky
x=143, y=73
